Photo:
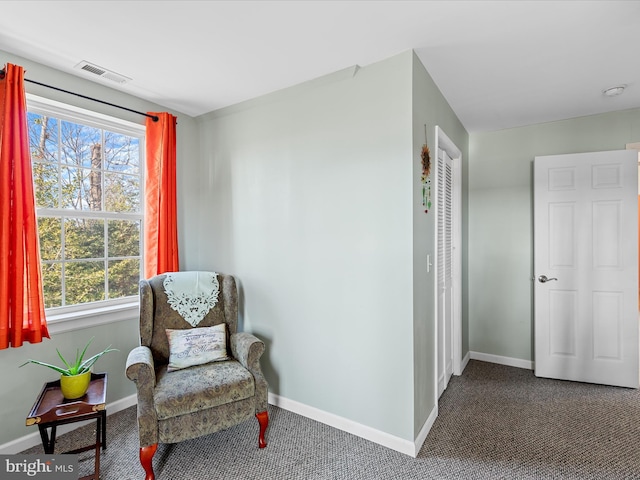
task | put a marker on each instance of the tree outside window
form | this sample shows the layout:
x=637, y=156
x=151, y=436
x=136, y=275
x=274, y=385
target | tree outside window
x=88, y=182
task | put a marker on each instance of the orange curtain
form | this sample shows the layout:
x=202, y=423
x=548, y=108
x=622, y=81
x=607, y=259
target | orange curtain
x=160, y=218
x=21, y=299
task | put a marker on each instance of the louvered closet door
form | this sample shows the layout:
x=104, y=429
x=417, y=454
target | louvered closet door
x=445, y=268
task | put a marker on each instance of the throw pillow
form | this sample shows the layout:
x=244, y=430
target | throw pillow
x=196, y=346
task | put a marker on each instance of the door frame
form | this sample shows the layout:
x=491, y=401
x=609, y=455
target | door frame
x=445, y=143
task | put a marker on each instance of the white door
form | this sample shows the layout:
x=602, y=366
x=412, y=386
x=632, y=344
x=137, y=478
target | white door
x=445, y=268
x=586, y=267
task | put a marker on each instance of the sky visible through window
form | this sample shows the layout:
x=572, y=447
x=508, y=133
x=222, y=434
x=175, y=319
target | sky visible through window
x=88, y=196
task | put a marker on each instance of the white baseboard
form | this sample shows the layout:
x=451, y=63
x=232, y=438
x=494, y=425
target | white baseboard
x=508, y=361
x=31, y=440
x=465, y=362
x=363, y=431
x=424, y=431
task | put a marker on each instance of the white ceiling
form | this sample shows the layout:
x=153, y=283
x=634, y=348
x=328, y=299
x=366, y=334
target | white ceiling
x=499, y=64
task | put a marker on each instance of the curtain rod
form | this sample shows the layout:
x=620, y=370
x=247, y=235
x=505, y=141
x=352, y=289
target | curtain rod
x=153, y=117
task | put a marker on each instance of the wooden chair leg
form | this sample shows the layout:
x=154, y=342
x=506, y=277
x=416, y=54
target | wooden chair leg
x=146, y=457
x=263, y=419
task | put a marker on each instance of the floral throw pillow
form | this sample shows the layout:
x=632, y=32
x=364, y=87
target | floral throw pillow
x=196, y=346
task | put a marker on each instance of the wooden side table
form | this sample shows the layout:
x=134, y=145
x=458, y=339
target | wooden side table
x=52, y=409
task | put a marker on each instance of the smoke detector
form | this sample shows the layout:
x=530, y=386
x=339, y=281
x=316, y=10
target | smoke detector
x=93, y=69
x=614, y=91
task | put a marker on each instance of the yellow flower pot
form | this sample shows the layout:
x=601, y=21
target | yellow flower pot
x=75, y=386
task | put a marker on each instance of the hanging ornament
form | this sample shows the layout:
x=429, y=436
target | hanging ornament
x=426, y=178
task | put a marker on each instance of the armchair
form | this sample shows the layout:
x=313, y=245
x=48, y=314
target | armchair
x=177, y=405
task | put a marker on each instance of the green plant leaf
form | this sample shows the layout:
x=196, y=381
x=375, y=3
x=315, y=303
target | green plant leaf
x=87, y=364
x=77, y=367
x=62, y=358
x=57, y=369
x=79, y=360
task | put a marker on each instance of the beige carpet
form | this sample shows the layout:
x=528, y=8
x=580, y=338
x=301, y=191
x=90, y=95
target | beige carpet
x=495, y=422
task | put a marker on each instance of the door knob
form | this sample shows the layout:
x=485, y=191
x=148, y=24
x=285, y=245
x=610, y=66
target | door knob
x=544, y=279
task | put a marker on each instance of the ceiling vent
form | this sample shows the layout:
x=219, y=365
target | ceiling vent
x=92, y=69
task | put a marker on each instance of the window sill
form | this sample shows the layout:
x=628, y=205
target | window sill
x=91, y=317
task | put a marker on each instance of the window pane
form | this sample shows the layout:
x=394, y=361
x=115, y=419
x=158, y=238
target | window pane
x=122, y=192
x=52, y=284
x=81, y=189
x=50, y=233
x=45, y=180
x=124, y=238
x=122, y=153
x=124, y=276
x=72, y=188
x=80, y=145
x=43, y=138
x=93, y=172
x=84, y=238
x=84, y=282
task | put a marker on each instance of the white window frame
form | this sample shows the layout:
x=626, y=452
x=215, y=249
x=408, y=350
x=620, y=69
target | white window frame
x=74, y=317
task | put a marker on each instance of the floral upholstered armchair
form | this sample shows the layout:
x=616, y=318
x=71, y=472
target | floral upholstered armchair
x=195, y=374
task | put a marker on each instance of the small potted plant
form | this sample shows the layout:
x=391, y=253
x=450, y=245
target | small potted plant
x=75, y=378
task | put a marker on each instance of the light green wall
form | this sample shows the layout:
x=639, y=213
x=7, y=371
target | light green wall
x=21, y=386
x=430, y=108
x=309, y=194
x=311, y=197
x=500, y=220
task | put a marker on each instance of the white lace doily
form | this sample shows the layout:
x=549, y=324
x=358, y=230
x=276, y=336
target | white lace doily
x=192, y=294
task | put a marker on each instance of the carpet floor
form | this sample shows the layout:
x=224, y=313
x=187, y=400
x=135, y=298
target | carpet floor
x=495, y=422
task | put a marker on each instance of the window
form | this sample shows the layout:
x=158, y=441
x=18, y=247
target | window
x=88, y=176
